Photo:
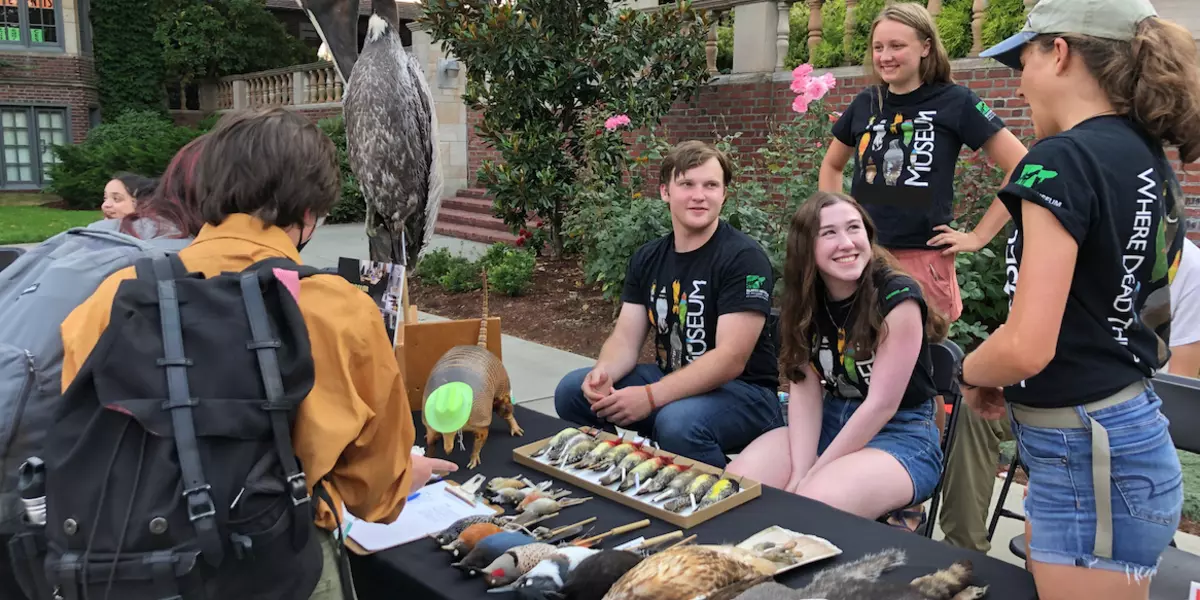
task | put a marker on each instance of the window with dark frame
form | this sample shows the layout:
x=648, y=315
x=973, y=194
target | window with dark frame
x=28, y=135
x=31, y=23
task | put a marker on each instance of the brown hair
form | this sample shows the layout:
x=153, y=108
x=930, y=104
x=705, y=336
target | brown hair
x=138, y=187
x=1153, y=79
x=935, y=68
x=804, y=291
x=689, y=155
x=270, y=163
x=174, y=201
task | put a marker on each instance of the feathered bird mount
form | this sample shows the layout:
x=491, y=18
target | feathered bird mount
x=391, y=129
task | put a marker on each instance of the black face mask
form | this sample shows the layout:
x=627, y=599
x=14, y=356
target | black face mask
x=301, y=245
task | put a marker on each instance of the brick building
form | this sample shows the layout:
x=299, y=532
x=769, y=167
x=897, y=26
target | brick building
x=47, y=86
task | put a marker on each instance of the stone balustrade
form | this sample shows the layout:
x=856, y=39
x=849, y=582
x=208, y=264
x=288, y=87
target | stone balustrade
x=301, y=85
x=762, y=29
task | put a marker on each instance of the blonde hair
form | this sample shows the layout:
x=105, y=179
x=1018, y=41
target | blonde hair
x=935, y=68
x=1153, y=79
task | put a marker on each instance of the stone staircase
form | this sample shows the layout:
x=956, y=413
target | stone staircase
x=468, y=216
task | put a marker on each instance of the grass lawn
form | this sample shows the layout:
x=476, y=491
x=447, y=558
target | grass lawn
x=29, y=224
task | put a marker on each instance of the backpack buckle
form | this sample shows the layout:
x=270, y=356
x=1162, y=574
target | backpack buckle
x=200, y=504
x=299, y=487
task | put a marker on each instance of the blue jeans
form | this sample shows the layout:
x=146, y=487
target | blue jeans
x=1146, y=487
x=911, y=437
x=703, y=428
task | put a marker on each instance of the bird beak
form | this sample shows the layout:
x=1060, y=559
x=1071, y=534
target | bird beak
x=336, y=21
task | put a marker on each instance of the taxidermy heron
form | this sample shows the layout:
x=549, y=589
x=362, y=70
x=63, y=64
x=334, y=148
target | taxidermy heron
x=390, y=126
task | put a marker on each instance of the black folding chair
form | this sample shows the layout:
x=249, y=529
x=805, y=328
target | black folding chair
x=1181, y=405
x=946, y=357
x=9, y=255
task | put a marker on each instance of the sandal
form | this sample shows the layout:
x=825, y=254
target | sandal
x=900, y=518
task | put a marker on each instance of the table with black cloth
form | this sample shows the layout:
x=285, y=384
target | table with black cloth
x=422, y=570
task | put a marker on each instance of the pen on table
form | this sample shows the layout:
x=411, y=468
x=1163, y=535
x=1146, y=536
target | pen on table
x=413, y=497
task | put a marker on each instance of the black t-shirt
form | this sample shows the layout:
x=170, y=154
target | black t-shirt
x=906, y=152
x=1117, y=196
x=685, y=293
x=848, y=376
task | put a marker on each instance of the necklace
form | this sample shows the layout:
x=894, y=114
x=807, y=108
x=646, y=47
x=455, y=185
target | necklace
x=841, y=329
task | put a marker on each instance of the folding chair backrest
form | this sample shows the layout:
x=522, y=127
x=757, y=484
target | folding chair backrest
x=9, y=255
x=1181, y=405
x=946, y=356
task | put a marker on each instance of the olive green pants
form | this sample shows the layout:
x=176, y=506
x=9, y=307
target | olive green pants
x=329, y=586
x=970, y=478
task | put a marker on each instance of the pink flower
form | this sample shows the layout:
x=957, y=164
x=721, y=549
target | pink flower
x=819, y=86
x=612, y=123
x=800, y=77
x=800, y=104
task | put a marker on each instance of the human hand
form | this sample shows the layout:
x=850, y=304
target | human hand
x=624, y=406
x=423, y=468
x=956, y=241
x=987, y=402
x=597, y=385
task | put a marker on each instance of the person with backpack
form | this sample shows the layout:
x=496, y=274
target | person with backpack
x=281, y=402
x=1099, y=230
x=40, y=289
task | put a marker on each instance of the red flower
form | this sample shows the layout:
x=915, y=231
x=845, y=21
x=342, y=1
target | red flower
x=520, y=242
x=524, y=233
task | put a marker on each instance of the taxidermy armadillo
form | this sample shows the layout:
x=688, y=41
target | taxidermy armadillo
x=858, y=581
x=477, y=367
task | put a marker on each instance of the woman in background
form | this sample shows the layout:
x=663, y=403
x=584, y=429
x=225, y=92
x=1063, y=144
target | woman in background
x=123, y=192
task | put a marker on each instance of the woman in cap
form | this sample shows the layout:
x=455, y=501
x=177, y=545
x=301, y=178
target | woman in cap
x=1097, y=239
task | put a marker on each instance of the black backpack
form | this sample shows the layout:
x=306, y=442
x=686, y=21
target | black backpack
x=169, y=470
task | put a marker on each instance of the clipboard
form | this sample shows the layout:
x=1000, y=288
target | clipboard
x=357, y=549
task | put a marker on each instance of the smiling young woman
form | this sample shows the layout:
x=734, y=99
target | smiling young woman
x=852, y=319
x=905, y=132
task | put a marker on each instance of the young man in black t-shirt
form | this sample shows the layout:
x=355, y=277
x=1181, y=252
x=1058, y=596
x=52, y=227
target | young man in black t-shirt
x=705, y=291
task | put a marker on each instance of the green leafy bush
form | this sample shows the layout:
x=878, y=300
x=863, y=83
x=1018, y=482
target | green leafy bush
x=954, y=27
x=509, y=270
x=1003, y=18
x=141, y=142
x=537, y=69
x=434, y=264
x=351, y=208
x=461, y=275
x=206, y=40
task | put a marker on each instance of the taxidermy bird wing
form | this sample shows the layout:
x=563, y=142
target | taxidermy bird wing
x=390, y=144
x=336, y=22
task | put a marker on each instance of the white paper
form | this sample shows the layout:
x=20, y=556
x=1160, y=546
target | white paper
x=434, y=510
x=1195, y=593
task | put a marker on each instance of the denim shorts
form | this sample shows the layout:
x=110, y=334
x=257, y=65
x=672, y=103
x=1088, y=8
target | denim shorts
x=911, y=437
x=1146, y=486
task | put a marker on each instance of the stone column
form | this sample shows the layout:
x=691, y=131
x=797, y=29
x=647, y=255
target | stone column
x=783, y=29
x=814, y=26
x=447, y=78
x=753, y=44
x=979, y=9
x=848, y=33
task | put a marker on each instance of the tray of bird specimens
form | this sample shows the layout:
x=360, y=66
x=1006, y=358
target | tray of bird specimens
x=675, y=489
x=788, y=549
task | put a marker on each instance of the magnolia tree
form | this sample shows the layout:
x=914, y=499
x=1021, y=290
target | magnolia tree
x=539, y=71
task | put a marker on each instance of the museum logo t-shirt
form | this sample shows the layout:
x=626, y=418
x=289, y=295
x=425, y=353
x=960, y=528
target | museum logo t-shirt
x=905, y=154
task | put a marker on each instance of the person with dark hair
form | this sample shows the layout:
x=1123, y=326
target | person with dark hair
x=866, y=441
x=169, y=210
x=706, y=289
x=1097, y=242
x=905, y=131
x=123, y=192
x=263, y=181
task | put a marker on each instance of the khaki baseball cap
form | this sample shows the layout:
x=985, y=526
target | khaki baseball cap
x=1108, y=19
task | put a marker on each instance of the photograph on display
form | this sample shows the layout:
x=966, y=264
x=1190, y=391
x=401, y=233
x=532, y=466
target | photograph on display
x=383, y=282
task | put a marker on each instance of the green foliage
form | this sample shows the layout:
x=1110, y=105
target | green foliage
x=830, y=51
x=350, y=207
x=128, y=60
x=1003, y=18
x=540, y=70
x=981, y=274
x=206, y=40
x=1191, y=484
x=509, y=269
x=140, y=142
x=954, y=27
x=797, y=36
x=461, y=275
x=434, y=264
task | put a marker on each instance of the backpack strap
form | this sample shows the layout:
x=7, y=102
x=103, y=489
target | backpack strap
x=196, y=490
x=276, y=405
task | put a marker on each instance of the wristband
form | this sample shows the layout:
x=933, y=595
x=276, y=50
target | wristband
x=650, y=397
x=962, y=383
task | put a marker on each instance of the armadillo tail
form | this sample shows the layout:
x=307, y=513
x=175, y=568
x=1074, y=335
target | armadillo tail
x=483, y=322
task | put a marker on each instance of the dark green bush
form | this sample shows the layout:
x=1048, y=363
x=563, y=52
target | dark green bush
x=461, y=275
x=141, y=142
x=1003, y=18
x=509, y=269
x=434, y=264
x=351, y=208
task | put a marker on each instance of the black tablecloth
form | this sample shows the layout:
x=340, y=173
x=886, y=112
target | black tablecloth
x=422, y=570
